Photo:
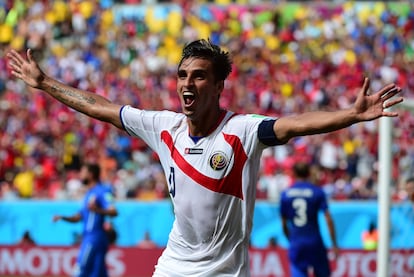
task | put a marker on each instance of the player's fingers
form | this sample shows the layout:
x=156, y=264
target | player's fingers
x=392, y=102
x=392, y=92
x=14, y=65
x=390, y=88
x=389, y=114
x=16, y=74
x=365, y=86
x=16, y=57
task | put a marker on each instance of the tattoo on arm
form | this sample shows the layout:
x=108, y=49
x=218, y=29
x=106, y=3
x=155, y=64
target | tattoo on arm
x=71, y=97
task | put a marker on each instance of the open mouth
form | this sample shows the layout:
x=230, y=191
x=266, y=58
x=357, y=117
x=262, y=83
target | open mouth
x=189, y=98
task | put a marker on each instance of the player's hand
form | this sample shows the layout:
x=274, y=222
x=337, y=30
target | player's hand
x=56, y=218
x=335, y=251
x=26, y=69
x=371, y=106
x=92, y=204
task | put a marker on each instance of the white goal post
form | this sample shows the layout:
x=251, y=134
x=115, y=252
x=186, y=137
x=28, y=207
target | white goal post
x=384, y=195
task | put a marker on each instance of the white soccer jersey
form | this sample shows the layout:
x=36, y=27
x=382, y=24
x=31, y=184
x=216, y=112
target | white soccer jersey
x=212, y=185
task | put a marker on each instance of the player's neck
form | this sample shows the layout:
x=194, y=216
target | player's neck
x=91, y=184
x=202, y=128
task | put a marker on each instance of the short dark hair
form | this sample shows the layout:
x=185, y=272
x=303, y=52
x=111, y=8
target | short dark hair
x=301, y=170
x=410, y=180
x=95, y=170
x=205, y=49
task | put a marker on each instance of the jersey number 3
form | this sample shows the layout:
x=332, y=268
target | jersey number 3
x=300, y=205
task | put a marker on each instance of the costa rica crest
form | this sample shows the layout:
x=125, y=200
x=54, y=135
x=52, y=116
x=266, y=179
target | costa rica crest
x=218, y=160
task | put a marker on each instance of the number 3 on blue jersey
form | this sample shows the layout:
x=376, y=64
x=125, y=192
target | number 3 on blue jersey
x=171, y=182
x=300, y=206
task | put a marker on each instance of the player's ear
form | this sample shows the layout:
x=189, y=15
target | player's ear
x=220, y=86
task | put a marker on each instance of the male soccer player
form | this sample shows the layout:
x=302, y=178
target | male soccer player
x=210, y=155
x=97, y=204
x=299, y=207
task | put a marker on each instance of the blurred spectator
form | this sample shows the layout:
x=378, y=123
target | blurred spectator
x=26, y=240
x=370, y=237
x=409, y=186
x=273, y=243
x=146, y=242
x=271, y=184
x=407, y=191
x=74, y=187
x=8, y=192
x=24, y=180
x=148, y=191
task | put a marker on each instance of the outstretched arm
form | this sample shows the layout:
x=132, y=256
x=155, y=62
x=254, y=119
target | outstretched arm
x=367, y=107
x=72, y=219
x=88, y=103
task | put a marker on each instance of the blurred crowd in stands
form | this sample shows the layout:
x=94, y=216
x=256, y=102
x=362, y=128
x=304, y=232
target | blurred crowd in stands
x=288, y=58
